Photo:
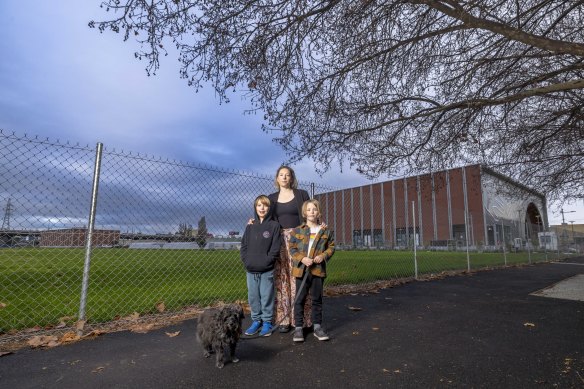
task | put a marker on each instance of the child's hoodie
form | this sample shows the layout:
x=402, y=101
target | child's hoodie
x=260, y=245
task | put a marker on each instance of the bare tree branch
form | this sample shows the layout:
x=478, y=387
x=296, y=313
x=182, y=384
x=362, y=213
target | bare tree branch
x=390, y=86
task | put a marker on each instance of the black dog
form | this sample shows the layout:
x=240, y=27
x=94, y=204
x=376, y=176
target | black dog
x=219, y=328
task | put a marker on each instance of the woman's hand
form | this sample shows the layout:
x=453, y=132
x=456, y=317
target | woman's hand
x=318, y=258
x=323, y=225
x=250, y=221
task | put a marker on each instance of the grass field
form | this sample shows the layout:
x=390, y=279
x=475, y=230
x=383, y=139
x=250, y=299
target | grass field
x=41, y=286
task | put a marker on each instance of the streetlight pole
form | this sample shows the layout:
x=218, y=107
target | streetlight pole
x=563, y=241
x=563, y=212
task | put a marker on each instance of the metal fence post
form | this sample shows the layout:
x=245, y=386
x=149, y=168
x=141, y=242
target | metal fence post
x=312, y=190
x=88, y=241
x=503, y=237
x=414, y=241
x=466, y=233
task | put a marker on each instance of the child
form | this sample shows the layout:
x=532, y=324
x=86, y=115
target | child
x=311, y=245
x=260, y=247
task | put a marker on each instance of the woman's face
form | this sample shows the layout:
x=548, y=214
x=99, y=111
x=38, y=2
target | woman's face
x=284, y=178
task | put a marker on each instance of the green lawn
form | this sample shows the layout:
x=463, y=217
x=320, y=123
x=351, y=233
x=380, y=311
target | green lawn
x=38, y=286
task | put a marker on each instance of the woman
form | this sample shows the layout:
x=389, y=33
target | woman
x=286, y=209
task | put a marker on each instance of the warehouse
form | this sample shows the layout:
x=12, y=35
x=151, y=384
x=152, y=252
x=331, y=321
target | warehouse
x=471, y=206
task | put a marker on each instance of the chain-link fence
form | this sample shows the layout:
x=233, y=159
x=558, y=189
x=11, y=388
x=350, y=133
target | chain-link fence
x=90, y=233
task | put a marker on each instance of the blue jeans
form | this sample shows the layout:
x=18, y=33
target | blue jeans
x=261, y=295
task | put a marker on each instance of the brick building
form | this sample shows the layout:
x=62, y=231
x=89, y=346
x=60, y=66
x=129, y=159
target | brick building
x=75, y=237
x=470, y=205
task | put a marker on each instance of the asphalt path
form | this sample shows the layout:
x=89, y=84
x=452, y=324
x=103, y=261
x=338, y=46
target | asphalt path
x=489, y=329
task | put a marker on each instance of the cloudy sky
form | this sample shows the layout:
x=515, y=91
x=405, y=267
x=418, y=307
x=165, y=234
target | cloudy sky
x=62, y=80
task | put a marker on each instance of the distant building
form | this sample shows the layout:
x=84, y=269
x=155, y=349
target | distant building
x=76, y=237
x=570, y=234
x=471, y=205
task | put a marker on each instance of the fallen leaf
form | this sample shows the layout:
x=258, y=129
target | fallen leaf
x=2, y=353
x=2, y=305
x=61, y=325
x=80, y=325
x=42, y=341
x=97, y=369
x=385, y=371
x=93, y=334
x=33, y=329
x=133, y=317
x=53, y=343
x=529, y=324
x=355, y=308
x=141, y=328
x=172, y=334
x=69, y=337
x=397, y=371
x=355, y=332
x=160, y=307
x=375, y=328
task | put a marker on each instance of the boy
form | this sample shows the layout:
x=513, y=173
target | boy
x=311, y=245
x=260, y=247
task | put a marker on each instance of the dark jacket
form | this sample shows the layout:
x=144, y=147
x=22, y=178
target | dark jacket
x=260, y=245
x=323, y=244
x=300, y=196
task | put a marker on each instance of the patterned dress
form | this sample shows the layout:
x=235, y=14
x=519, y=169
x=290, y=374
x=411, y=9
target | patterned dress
x=286, y=287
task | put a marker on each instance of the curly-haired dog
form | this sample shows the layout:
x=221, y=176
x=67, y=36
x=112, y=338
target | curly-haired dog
x=219, y=328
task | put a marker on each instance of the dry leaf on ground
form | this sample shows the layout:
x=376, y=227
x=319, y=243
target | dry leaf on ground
x=141, y=328
x=69, y=337
x=94, y=334
x=2, y=353
x=160, y=307
x=33, y=329
x=3, y=305
x=43, y=341
x=172, y=334
x=529, y=324
x=133, y=317
x=80, y=325
x=355, y=308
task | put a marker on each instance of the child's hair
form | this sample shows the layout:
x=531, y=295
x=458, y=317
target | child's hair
x=261, y=199
x=315, y=202
x=293, y=180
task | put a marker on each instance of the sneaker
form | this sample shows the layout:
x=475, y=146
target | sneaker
x=266, y=329
x=320, y=334
x=254, y=328
x=298, y=335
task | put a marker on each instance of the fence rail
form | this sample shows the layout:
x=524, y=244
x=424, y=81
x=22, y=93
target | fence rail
x=93, y=234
